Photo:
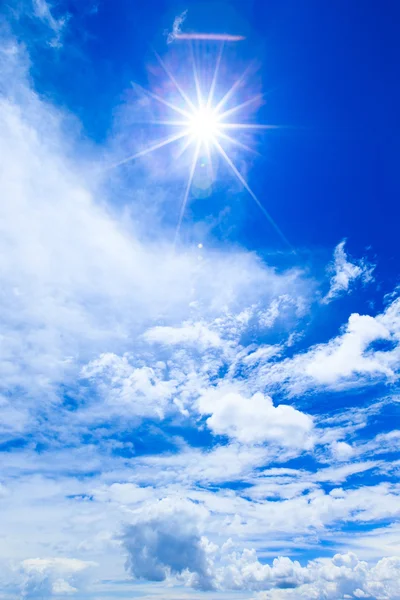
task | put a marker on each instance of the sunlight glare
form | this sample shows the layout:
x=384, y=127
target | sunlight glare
x=203, y=124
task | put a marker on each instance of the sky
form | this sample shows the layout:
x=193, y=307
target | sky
x=200, y=343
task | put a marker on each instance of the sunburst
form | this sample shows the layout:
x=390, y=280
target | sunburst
x=208, y=127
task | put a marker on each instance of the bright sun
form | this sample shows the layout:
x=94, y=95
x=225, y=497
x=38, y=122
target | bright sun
x=206, y=125
x=203, y=125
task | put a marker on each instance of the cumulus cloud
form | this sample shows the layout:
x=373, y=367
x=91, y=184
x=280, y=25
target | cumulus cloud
x=343, y=576
x=139, y=391
x=99, y=320
x=46, y=577
x=344, y=273
x=255, y=419
x=168, y=543
x=348, y=354
x=342, y=451
x=172, y=546
x=367, y=350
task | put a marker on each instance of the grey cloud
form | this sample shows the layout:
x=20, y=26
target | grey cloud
x=167, y=544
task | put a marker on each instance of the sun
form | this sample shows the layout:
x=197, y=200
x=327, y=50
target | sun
x=203, y=123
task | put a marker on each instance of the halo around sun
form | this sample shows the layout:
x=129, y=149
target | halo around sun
x=204, y=125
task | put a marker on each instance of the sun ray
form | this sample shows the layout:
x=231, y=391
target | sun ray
x=239, y=107
x=177, y=109
x=171, y=123
x=250, y=191
x=232, y=140
x=187, y=190
x=196, y=79
x=176, y=84
x=247, y=126
x=165, y=142
x=184, y=147
x=214, y=79
x=231, y=91
x=209, y=158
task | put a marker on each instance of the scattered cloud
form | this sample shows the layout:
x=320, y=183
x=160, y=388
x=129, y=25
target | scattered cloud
x=344, y=272
x=366, y=351
x=43, y=11
x=203, y=564
x=179, y=397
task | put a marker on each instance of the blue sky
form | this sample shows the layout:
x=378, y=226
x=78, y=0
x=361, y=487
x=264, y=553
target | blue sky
x=209, y=410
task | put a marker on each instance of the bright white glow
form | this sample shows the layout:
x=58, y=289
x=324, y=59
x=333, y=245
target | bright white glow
x=203, y=125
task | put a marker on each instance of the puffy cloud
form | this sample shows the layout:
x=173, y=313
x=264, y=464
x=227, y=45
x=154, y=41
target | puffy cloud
x=342, y=451
x=344, y=576
x=367, y=350
x=139, y=391
x=345, y=272
x=168, y=543
x=172, y=545
x=256, y=419
x=348, y=354
x=46, y=577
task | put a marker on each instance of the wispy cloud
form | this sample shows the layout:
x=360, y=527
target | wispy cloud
x=344, y=272
x=169, y=412
x=43, y=11
x=176, y=27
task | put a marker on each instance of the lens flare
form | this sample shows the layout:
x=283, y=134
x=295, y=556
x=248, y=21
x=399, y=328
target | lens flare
x=204, y=123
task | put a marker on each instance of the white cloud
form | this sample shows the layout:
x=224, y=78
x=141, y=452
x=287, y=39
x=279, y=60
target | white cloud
x=375, y=543
x=43, y=11
x=204, y=466
x=350, y=359
x=348, y=354
x=255, y=420
x=197, y=334
x=45, y=577
x=137, y=391
x=343, y=576
x=170, y=544
x=128, y=329
x=342, y=451
x=77, y=281
x=282, y=483
x=345, y=272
